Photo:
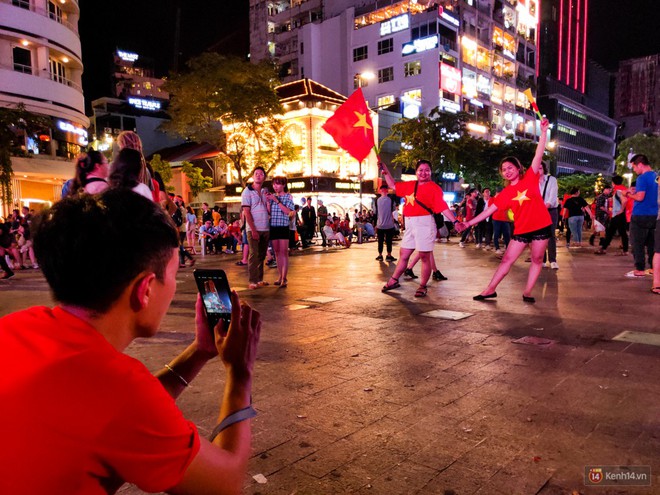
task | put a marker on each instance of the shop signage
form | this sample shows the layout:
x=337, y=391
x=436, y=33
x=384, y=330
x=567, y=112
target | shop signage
x=450, y=176
x=127, y=56
x=143, y=104
x=420, y=45
x=450, y=79
x=443, y=14
x=394, y=25
x=69, y=128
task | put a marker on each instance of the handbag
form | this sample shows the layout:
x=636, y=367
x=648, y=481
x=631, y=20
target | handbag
x=439, y=219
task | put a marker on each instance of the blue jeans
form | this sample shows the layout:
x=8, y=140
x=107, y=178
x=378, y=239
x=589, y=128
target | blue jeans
x=575, y=224
x=501, y=228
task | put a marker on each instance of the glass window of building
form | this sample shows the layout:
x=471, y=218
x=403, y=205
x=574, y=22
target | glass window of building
x=385, y=75
x=509, y=95
x=483, y=85
x=24, y=4
x=522, y=101
x=57, y=71
x=22, y=60
x=384, y=101
x=413, y=94
x=54, y=11
x=484, y=59
x=498, y=93
x=469, y=47
x=412, y=68
x=360, y=53
x=469, y=83
x=385, y=46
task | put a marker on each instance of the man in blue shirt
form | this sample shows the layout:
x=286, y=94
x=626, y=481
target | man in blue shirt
x=645, y=211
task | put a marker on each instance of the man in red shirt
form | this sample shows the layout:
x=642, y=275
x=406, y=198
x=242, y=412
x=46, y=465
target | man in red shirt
x=79, y=416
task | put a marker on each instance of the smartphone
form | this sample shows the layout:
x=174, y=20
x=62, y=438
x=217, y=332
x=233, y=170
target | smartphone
x=214, y=289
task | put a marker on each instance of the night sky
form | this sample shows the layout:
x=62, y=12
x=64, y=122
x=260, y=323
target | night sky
x=618, y=30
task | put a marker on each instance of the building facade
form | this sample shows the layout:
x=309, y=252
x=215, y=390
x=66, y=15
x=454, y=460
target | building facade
x=637, y=95
x=41, y=67
x=476, y=56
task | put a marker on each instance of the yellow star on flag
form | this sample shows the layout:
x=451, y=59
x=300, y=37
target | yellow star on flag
x=521, y=197
x=410, y=199
x=362, y=121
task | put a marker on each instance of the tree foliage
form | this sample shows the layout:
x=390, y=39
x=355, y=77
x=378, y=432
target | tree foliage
x=197, y=182
x=639, y=143
x=587, y=184
x=12, y=122
x=443, y=139
x=164, y=169
x=231, y=104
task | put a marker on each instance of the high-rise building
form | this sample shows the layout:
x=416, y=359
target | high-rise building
x=476, y=56
x=41, y=67
x=583, y=134
x=637, y=95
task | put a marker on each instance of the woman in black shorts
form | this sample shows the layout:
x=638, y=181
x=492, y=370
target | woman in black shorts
x=280, y=206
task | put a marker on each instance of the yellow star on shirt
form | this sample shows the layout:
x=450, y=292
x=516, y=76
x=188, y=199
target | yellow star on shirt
x=521, y=197
x=410, y=199
x=362, y=121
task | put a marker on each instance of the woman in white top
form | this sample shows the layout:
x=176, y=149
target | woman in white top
x=91, y=173
x=191, y=225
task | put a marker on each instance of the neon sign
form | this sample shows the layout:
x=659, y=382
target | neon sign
x=420, y=45
x=143, y=104
x=127, y=56
x=450, y=79
x=394, y=25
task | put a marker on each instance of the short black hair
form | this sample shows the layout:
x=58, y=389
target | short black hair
x=639, y=158
x=91, y=247
x=617, y=180
x=422, y=162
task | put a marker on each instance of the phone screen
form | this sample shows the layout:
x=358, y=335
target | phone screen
x=214, y=289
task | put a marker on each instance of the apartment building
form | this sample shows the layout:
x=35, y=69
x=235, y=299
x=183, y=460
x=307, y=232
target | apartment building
x=41, y=67
x=637, y=95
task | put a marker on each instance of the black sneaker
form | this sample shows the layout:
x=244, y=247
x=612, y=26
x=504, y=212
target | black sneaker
x=409, y=273
x=389, y=257
x=438, y=276
x=379, y=257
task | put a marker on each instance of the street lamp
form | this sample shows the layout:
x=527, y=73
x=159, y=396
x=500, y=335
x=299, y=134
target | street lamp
x=362, y=78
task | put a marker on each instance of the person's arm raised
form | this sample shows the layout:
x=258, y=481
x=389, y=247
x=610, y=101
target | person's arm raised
x=388, y=176
x=220, y=466
x=540, y=147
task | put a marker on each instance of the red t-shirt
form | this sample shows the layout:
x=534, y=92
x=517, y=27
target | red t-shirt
x=526, y=202
x=79, y=417
x=501, y=215
x=428, y=193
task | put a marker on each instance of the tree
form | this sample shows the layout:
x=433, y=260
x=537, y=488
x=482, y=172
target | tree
x=12, y=122
x=164, y=169
x=639, y=143
x=233, y=105
x=197, y=182
x=587, y=184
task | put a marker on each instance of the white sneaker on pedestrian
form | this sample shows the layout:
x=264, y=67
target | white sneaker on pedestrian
x=478, y=246
x=461, y=244
x=554, y=265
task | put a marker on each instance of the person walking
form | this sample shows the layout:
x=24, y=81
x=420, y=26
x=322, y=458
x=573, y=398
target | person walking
x=618, y=221
x=254, y=203
x=308, y=215
x=549, y=193
x=423, y=197
x=644, y=214
x=577, y=208
x=385, y=205
x=322, y=213
x=532, y=222
x=470, y=202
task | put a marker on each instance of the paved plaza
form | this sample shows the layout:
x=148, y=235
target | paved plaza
x=370, y=393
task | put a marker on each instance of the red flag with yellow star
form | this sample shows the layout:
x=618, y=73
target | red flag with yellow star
x=351, y=126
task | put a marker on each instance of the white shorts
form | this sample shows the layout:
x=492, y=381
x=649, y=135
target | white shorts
x=420, y=233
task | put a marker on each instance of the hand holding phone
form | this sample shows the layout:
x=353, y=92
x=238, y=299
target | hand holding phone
x=213, y=287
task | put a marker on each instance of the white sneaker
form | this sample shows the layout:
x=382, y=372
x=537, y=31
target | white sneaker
x=229, y=251
x=499, y=251
x=488, y=248
x=554, y=265
x=461, y=244
x=478, y=246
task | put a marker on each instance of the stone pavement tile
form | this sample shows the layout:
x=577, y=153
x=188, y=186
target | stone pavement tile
x=463, y=407
x=331, y=457
x=521, y=476
x=429, y=404
x=284, y=482
x=401, y=478
x=455, y=479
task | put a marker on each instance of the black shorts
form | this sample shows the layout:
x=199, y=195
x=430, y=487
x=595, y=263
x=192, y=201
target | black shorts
x=656, y=247
x=279, y=233
x=535, y=235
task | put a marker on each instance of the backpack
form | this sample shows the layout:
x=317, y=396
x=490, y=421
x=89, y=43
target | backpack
x=177, y=217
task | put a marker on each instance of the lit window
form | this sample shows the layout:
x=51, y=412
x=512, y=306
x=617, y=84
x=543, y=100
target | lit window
x=385, y=75
x=412, y=68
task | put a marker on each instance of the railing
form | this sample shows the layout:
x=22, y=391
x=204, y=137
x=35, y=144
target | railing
x=25, y=69
x=63, y=80
x=25, y=4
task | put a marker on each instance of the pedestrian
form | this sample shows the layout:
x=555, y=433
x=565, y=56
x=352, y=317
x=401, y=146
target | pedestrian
x=385, y=206
x=618, y=221
x=254, y=204
x=655, y=288
x=470, y=207
x=308, y=216
x=532, y=222
x=550, y=194
x=423, y=197
x=91, y=175
x=322, y=213
x=281, y=208
x=484, y=230
x=601, y=213
x=125, y=173
x=644, y=214
x=577, y=208
x=191, y=227
x=104, y=419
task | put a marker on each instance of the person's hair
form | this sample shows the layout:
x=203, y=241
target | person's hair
x=515, y=161
x=85, y=164
x=91, y=247
x=544, y=164
x=575, y=190
x=129, y=139
x=125, y=170
x=280, y=179
x=422, y=162
x=617, y=180
x=639, y=158
x=259, y=168
x=309, y=198
x=190, y=210
x=471, y=191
